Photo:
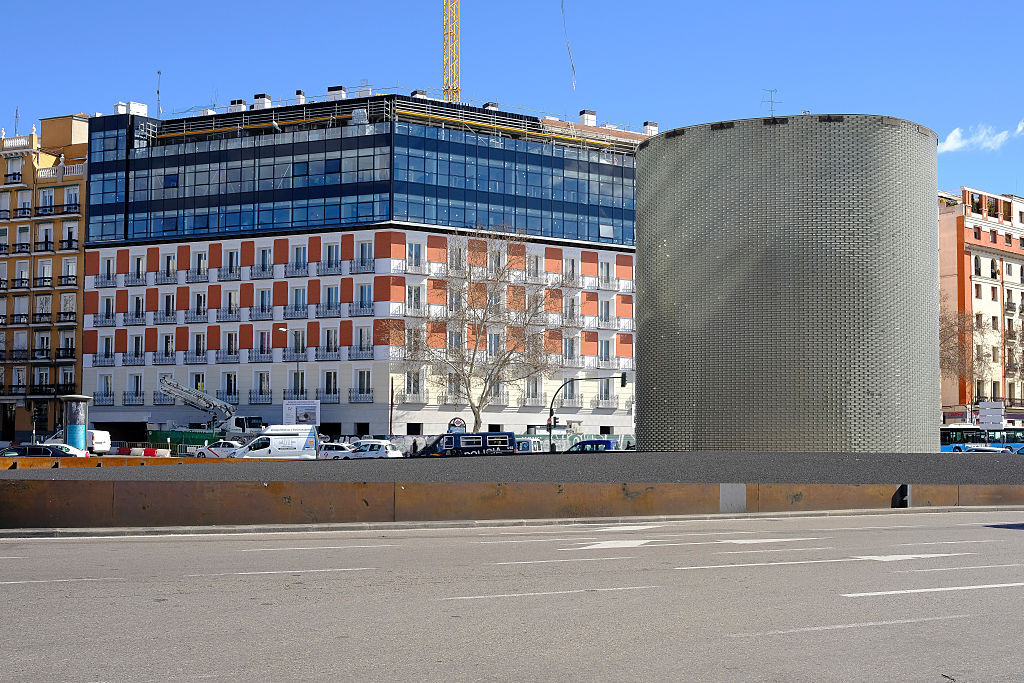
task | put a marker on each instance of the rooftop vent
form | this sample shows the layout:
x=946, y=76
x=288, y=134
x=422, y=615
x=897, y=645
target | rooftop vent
x=336, y=92
x=236, y=106
x=261, y=100
x=610, y=126
x=490, y=106
x=359, y=116
x=650, y=127
x=137, y=108
x=588, y=117
x=419, y=94
x=300, y=97
x=207, y=112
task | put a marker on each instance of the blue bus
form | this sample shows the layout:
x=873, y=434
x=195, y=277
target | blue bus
x=960, y=437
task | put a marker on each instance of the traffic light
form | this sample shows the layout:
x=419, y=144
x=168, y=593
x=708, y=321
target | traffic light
x=622, y=383
x=555, y=420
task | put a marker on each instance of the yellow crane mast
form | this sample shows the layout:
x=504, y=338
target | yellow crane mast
x=452, y=66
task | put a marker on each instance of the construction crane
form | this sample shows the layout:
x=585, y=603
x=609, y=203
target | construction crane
x=452, y=65
x=221, y=412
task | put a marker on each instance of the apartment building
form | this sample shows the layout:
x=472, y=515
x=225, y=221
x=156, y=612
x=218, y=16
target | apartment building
x=981, y=274
x=40, y=261
x=270, y=253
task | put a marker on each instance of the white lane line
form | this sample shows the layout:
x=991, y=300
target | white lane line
x=13, y=558
x=862, y=558
x=630, y=527
x=659, y=543
x=316, y=547
x=107, y=578
x=571, y=559
x=987, y=540
x=950, y=569
x=541, y=540
x=944, y=589
x=862, y=528
x=771, y=550
x=287, y=571
x=863, y=624
x=524, y=595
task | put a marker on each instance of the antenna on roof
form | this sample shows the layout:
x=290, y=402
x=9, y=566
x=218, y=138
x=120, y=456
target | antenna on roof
x=771, y=101
x=159, y=109
x=17, y=115
x=565, y=30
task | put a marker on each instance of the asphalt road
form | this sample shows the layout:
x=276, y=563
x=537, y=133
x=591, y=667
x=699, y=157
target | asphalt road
x=706, y=467
x=918, y=596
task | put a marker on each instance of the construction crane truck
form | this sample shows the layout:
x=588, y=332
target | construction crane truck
x=224, y=421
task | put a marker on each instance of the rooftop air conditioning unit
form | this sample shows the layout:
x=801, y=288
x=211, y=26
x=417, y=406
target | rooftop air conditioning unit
x=588, y=117
x=261, y=100
x=650, y=127
x=490, y=106
x=419, y=94
x=300, y=97
x=336, y=92
x=236, y=106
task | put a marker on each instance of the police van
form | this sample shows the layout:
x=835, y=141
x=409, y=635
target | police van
x=473, y=443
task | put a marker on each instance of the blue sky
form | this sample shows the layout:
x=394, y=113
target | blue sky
x=951, y=66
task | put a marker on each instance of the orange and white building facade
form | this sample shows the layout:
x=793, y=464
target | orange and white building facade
x=981, y=275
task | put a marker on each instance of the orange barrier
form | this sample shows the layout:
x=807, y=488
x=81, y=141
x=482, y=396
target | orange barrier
x=115, y=461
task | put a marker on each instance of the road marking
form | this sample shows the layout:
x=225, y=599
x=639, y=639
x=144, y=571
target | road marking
x=540, y=540
x=108, y=578
x=316, y=547
x=12, y=558
x=949, y=569
x=861, y=558
x=630, y=527
x=944, y=589
x=987, y=540
x=287, y=571
x=863, y=624
x=659, y=543
x=771, y=550
x=861, y=528
x=524, y=595
x=571, y=559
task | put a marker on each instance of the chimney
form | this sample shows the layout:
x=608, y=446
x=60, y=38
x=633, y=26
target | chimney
x=650, y=127
x=300, y=97
x=261, y=100
x=419, y=94
x=490, y=106
x=236, y=106
x=588, y=117
x=335, y=92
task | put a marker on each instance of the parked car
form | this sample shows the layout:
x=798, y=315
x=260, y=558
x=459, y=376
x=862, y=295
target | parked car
x=335, y=451
x=70, y=450
x=530, y=444
x=96, y=440
x=296, y=442
x=470, y=443
x=39, y=450
x=989, y=449
x=592, y=446
x=375, y=448
x=218, y=449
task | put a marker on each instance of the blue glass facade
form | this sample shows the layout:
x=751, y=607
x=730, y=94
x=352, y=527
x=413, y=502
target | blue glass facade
x=144, y=188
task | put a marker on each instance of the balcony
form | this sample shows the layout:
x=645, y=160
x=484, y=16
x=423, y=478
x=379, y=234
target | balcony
x=292, y=354
x=42, y=318
x=165, y=317
x=17, y=390
x=607, y=324
x=360, y=353
x=332, y=310
x=106, y=280
x=606, y=403
x=12, y=178
x=42, y=281
x=534, y=401
x=103, y=360
x=259, y=397
x=19, y=354
x=229, y=315
x=103, y=398
x=571, y=361
x=3, y=247
x=572, y=319
x=261, y=356
x=103, y=320
x=195, y=357
x=133, y=359
x=197, y=275
x=295, y=395
x=165, y=358
x=69, y=244
x=421, y=397
x=41, y=353
x=197, y=315
x=328, y=395
x=413, y=311
x=498, y=399
x=569, y=402
x=67, y=280
x=67, y=316
x=19, y=318
x=325, y=354
x=295, y=311
x=162, y=399
x=3, y=318
x=67, y=388
x=360, y=309
x=227, y=355
x=261, y=313
x=451, y=398
x=608, y=363
x=296, y=269
x=262, y=272
x=625, y=285
x=166, y=277
x=229, y=273
x=1011, y=368
x=135, y=318
x=41, y=389
x=44, y=245
x=330, y=268
x=58, y=210
x=609, y=283
x=133, y=398
x=626, y=324
x=1011, y=308
x=135, y=279
x=66, y=353
x=413, y=268
x=228, y=396
x=360, y=395
x=23, y=212
x=19, y=283
x=361, y=265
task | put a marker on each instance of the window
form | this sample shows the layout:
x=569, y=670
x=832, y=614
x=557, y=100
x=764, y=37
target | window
x=980, y=389
x=1009, y=269
x=414, y=254
x=170, y=180
x=605, y=390
x=331, y=382
x=995, y=322
x=413, y=297
x=977, y=265
x=995, y=358
x=363, y=384
x=995, y=390
x=977, y=291
x=977, y=321
x=493, y=343
x=412, y=382
x=1009, y=240
x=604, y=349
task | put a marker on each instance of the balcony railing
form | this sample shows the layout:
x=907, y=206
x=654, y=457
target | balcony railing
x=625, y=285
x=361, y=265
x=165, y=358
x=67, y=280
x=360, y=309
x=607, y=403
x=229, y=273
x=67, y=388
x=295, y=395
x=569, y=402
x=330, y=267
x=67, y=316
x=259, y=272
x=19, y=318
x=165, y=317
x=43, y=281
x=166, y=277
x=228, y=396
x=41, y=353
x=261, y=356
x=44, y=245
x=360, y=353
x=102, y=360
x=414, y=268
x=229, y=315
x=3, y=247
x=42, y=318
x=135, y=318
x=323, y=353
x=17, y=390
x=227, y=355
x=328, y=310
x=105, y=280
x=257, y=397
x=133, y=398
x=69, y=244
x=328, y=395
x=572, y=319
x=19, y=354
x=571, y=361
x=534, y=401
x=608, y=363
x=293, y=354
x=261, y=313
x=101, y=398
x=135, y=279
x=451, y=398
x=65, y=352
x=23, y=212
x=195, y=357
x=498, y=399
x=19, y=283
x=356, y=395
x=295, y=311
x=1011, y=307
x=416, y=397
x=626, y=324
x=162, y=399
x=413, y=311
x=607, y=323
x=58, y=210
x=296, y=269
x=11, y=178
x=197, y=275
x=194, y=315
x=103, y=320
x=133, y=358
x=41, y=389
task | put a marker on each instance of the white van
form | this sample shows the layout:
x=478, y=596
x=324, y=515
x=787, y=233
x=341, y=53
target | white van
x=281, y=441
x=96, y=440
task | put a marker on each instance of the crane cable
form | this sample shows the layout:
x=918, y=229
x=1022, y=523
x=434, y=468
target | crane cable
x=565, y=30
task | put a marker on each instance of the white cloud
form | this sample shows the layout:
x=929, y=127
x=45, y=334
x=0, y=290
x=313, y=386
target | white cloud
x=978, y=137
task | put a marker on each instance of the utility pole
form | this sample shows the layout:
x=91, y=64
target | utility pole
x=391, y=413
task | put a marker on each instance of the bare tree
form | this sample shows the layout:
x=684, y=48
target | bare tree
x=961, y=337
x=487, y=323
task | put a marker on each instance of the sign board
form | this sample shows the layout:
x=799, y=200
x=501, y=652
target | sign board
x=457, y=426
x=301, y=413
x=990, y=414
